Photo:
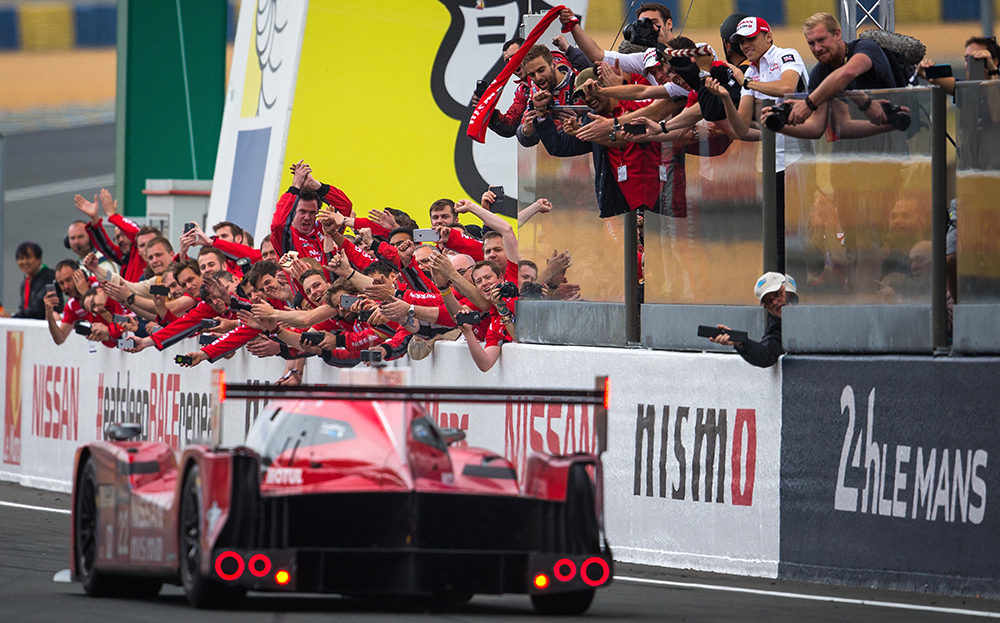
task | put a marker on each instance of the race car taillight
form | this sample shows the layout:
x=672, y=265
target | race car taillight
x=567, y=572
x=259, y=565
x=282, y=577
x=229, y=565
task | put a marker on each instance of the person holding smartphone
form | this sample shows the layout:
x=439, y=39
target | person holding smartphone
x=774, y=291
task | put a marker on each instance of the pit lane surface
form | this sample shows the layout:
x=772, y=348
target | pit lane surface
x=34, y=546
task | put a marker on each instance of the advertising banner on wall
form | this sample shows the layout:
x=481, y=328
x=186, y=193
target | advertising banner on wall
x=12, y=404
x=886, y=475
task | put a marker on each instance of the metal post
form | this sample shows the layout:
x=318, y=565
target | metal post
x=631, y=278
x=939, y=220
x=769, y=213
x=986, y=17
x=848, y=20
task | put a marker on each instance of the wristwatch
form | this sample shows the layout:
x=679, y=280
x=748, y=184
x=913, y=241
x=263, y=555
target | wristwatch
x=746, y=82
x=613, y=136
x=663, y=126
x=410, y=312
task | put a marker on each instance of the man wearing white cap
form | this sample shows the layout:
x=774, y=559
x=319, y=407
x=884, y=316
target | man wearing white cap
x=774, y=291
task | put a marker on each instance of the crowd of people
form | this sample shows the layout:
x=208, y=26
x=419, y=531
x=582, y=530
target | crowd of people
x=349, y=288
x=325, y=282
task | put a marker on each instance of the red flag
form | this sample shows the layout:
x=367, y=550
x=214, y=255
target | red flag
x=481, y=115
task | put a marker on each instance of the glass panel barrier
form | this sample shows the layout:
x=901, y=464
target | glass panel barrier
x=704, y=246
x=858, y=204
x=596, y=245
x=976, y=187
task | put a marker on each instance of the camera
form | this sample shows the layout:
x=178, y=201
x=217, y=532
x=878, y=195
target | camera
x=243, y=262
x=469, y=317
x=373, y=355
x=236, y=304
x=532, y=290
x=82, y=327
x=778, y=117
x=508, y=290
x=896, y=116
x=642, y=32
x=209, y=323
x=159, y=289
x=311, y=338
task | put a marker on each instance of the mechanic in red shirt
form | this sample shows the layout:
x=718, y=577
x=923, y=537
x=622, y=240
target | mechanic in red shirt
x=552, y=83
x=74, y=283
x=487, y=278
x=229, y=241
x=294, y=226
x=130, y=240
x=498, y=245
x=100, y=313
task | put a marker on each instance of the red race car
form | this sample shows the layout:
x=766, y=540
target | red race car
x=347, y=490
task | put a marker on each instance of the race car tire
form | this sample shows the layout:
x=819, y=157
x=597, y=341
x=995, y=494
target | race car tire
x=95, y=583
x=576, y=602
x=202, y=592
x=583, y=534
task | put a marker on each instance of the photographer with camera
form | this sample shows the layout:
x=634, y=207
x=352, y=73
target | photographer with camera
x=774, y=291
x=502, y=295
x=860, y=65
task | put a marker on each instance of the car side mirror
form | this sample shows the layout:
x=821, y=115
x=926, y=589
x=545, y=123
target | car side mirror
x=451, y=435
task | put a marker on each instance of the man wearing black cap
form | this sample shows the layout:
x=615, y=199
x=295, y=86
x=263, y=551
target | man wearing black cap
x=734, y=55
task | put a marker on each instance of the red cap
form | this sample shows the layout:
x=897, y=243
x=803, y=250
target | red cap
x=749, y=27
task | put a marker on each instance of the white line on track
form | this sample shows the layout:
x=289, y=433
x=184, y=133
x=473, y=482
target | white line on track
x=839, y=600
x=58, y=188
x=35, y=508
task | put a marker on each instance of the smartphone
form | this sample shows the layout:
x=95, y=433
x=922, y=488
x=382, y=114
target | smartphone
x=347, y=301
x=184, y=359
x=126, y=343
x=51, y=287
x=498, y=191
x=82, y=327
x=209, y=323
x=976, y=67
x=635, y=128
x=938, y=71
x=469, y=317
x=371, y=356
x=480, y=87
x=119, y=319
x=577, y=108
x=734, y=335
x=189, y=226
x=159, y=289
x=206, y=339
x=425, y=235
x=311, y=338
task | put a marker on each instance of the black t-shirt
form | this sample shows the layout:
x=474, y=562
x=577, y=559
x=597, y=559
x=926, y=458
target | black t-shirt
x=878, y=77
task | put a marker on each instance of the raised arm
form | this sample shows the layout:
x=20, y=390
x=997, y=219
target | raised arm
x=492, y=221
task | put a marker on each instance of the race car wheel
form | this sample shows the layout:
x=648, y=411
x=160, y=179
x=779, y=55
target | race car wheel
x=95, y=583
x=202, y=592
x=563, y=603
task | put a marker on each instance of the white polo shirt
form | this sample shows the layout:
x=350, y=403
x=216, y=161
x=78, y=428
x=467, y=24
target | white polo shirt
x=769, y=68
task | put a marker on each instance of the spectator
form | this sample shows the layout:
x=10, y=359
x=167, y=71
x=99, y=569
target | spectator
x=229, y=246
x=36, y=277
x=773, y=72
x=211, y=260
x=774, y=291
x=626, y=174
x=267, y=252
x=487, y=277
x=551, y=85
x=733, y=53
x=78, y=241
x=527, y=272
x=976, y=47
x=294, y=226
x=127, y=249
x=443, y=213
x=856, y=66
x=73, y=283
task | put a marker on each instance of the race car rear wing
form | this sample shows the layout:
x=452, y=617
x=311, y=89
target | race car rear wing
x=598, y=397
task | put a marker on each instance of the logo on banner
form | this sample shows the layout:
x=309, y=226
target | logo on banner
x=55, y=410
x=693, y=453
x=553, y=429
x=12, y=406
x=166, y=413
x=930, y=484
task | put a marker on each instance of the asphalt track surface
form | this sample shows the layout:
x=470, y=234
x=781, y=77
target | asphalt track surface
x=34, y=546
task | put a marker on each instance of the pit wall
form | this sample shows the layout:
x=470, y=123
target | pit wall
x=870, y=471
